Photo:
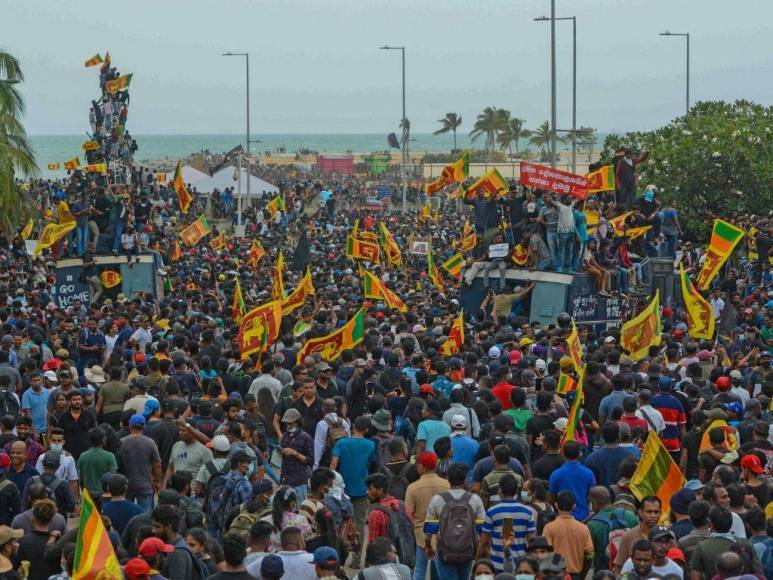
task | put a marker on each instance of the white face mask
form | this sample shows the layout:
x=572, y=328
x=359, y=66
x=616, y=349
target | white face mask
x=484, y=577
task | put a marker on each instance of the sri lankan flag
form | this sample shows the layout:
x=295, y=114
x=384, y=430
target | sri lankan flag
x=633, y=233
x=51, y=234
x=100, y=168
x=256, y=253
x=177, y=253
x=451, y=174
x=238, y=307
x=601, y=180
x=491, y=183
x=643, y=331
x=374, y=288
x=160, y=177
x=193, y=234
x=259, y=328
x=565, y=384
x=391, y=250
x=218, y=242
x=297, y=297
x=453, y=265
x=120, y=84
x=432, y=272
x=618, y=224
x=53, y=167
x=331, y=346
x=724, y=238
x=110, y=278
x=455, y=340
x=178, y=184
x=700, y=315
x=94, y=555
x=469, y=239
x=90, y=145
x=27, y=231
x=277, y=278
x=72, y=164
x=424, y=214
x=570, y=433
x=276, y=204
x=520, y=255
x=93, y=61
x=357, y=249
x=592, y=219
x=656, y=473
x=459, y=193
x=574, y=348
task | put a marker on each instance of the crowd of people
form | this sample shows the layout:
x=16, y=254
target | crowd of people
x=392, y=461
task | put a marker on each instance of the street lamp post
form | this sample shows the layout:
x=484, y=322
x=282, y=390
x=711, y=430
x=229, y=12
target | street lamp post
x=574, y=84
x=687, y=36
x=406, y=137
x=247, y=149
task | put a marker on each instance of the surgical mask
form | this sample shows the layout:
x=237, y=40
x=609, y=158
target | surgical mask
x=293, y=430
x=741, y=338
x=55, y=447
x=250, y=470
x=524, y=577
x=525, y=496
x=484, y=577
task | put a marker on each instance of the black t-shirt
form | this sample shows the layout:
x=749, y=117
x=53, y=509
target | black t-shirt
x=692, y=443
x=546, y=465
x=7, y=438
x=312, y=414
x=207, y=425
x=31, y=548
x=165, y=433
x=76, y=432
x=534, y=427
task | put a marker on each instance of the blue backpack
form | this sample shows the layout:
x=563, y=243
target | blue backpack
x=767, y=556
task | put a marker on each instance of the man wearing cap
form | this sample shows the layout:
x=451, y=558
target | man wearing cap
x=297, y=449
x=751, y=469
x=327, y=388
x=458, y=408
x=221, y=447
x=323, y=440
x=165, y=432
x=271, y=568
x=138, y=398
x=464, y=447
x=326, y=563
x=141, y=463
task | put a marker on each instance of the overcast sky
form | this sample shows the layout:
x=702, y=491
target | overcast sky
x=316, y=67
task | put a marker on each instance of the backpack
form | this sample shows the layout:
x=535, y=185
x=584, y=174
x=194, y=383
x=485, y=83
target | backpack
x=767, y=557
x=9, y=405
x=401, y=533
x=544, y=516
x=348, y=532
x=616, y=527
x=214, y=506
x=335, y=432
x=398, y=482
x=456, y=539
x=245, y=519
x=200, y=570
x=51, y=487
x=384, y=454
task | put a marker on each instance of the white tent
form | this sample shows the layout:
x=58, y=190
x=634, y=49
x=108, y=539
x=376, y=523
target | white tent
x=229, y=177
x=190, y=175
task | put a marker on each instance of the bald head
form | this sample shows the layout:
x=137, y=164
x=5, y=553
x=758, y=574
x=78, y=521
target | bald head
x=729, y=564
x=600, y=497
x=328, y=405
x=18, y=453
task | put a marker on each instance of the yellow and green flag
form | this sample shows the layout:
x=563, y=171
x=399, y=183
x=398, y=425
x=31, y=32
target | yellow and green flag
x=120, y=84
x=93, y=61
x=218, y=242
x=491, y=183
x=72, y=164
x=700, y=315
x=100, y=168
x=724, y=238
x=451, y=174
x=453, y=265
x=256, y=253
x=358, y=249
x=394, y=256
x=455, y=340
x=178, y=184
x=565, y=384
x=51, y=234
x=618, y=223
x=643, y=331
x=570, y=433
x=601, y=180
x=27, y=231
x=276, y=204
x=238, y=308
x=277, y=278
x=297, y=297
x=433, y=273
x=193, y=234
x=94, y=555
x=656, y=473
x=331, y=346
x=374, y=288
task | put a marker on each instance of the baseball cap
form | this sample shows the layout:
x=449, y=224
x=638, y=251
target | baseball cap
x=660, y=532
x=326, y=557
x=291, y=416
x=51, y=458
x=752, y=463
x=51, y=376
x=5, y=461
x=736, y=375
x=137, y=420
x=539, y=543
x=565, y=362
x=723, y=383
x=427, y=459
x=150, y=406
x=7, y=534
x=136, y=568
x=427, y=388
x=272, y=566
x=681, y=501
x=458, y=421
x=221, y=443
x=694, y=485
x=494, y=352
x=153, y=546
x=609, y=339
x=677, y=555
x=540, y=364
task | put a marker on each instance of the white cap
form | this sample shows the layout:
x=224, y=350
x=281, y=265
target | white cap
x=540, y=364
x=459, y=421
x=736, y=374
x=51, y=376
x=561, y=423
x=494, y=352
x=418, y=328
x=610, y=339
x=221, y=444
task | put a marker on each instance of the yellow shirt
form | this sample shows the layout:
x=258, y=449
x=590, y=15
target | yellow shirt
x=417, y=498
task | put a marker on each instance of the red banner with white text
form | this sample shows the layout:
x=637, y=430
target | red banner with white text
x=544, y=177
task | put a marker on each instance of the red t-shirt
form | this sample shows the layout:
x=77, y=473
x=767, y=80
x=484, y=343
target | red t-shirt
x=635, y=422
x=502, y=393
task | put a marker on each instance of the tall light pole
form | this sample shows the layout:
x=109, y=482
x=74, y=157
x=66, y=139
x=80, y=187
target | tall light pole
x=406, y=136
x=574, y=82
x=687, y=36
x=553, y=83
x=247, y=149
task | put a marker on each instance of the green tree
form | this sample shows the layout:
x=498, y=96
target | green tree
x=451, y=122
x=586, y=140
x=715, y=160
x=486, y=124
x=541, y=137
x=16, y=154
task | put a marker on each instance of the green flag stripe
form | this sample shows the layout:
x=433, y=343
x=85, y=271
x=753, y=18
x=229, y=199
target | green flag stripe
x=727, y=232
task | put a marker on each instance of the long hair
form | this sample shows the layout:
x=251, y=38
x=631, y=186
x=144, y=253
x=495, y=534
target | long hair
x=283, y=499
x=266, y=404
x=326, y=526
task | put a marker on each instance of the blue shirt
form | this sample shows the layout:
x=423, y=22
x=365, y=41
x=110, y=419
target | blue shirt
x=464, y=449
x=578, y=479
x=120, y=512
x=443, y=385
x=611, y=402
x=430, y=430
x=605, y=461
x=354, y=454
x=37, y=403
x=523, y=524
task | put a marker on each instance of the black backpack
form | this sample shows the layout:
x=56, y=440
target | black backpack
x=401, y=533
x=200, y=570
x=457, y=539
x=398, y=482
x=9, y=404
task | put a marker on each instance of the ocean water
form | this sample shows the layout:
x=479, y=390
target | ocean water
x=59, y=148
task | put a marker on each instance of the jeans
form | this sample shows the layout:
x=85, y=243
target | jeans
x=551, y=237
x=453, y=571
x=578, y=256
x=83, y=237
x=565, y=242
x=360, y=505
x=117, y=233
x=671, y=240
x=498, y=263
x=300, y=493
x=145, y=501
x=422, y=564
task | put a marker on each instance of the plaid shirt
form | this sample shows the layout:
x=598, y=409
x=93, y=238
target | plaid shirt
x=294, y=471
x=378, y=521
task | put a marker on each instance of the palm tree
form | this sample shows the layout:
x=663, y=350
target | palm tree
x=16, y=154
x=513, y=132
x=541, y=137
x=486, y=124
x=450, y=122
x=587, y=139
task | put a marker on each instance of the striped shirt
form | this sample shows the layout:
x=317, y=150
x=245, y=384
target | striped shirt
x=524, y=524
x=673, y=416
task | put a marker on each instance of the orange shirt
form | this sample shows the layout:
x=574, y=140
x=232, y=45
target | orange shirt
x=571, y=539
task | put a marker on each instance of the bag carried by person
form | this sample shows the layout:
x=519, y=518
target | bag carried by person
x=244, y=520
x=9, y=404
x=456, y=539
x=200, y=571
x=335, y=432
x=400, y=532
x=398, y=482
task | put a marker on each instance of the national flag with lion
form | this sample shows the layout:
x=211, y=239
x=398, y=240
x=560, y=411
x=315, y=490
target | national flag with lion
x=357, y=249
x=455, y=340
x=394, y=256
x=238, y=307
x=433, y=273
x=93, y=61
x=451, y=174
x=601, y=180
x=297, y=297
x=490, y=184
x=256, y=253
x=51, y=234
x=120, y=84
x=331, y=346
x=259, y=328
x=178, y=184
x=700, y=314
x=194, y=233
x=643, y=331
x=110, y=278
x=374, y=288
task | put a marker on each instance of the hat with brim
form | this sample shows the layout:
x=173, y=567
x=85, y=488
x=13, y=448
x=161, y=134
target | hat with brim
x=291, y=416
x=381, y=419
x=539, y=543
x=7, y=534
x=95, y=374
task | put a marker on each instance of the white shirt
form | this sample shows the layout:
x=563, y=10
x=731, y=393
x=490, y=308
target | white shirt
x=142, y=337
x=670, y=567
x=320, y=436
x=137, y=404
x=741, y=393
x=718, y=305
x=654, y=415
x=67, y=470
x=265, y=381
x=738, y=529
x=298, y=565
